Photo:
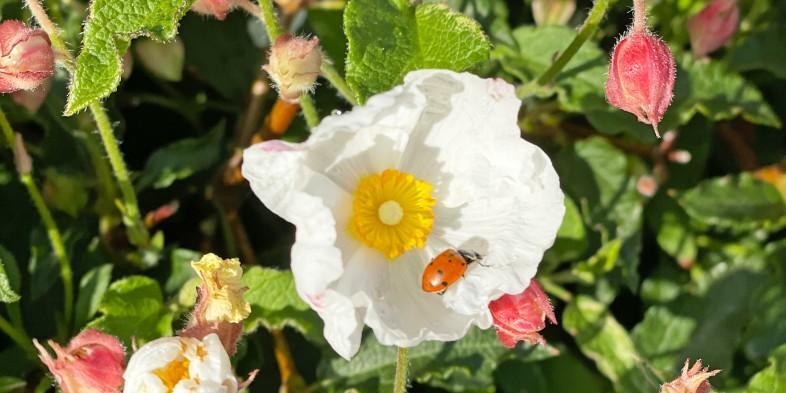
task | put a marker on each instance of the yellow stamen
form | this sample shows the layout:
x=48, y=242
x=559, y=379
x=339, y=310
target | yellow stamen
x=392, y=212
x=173, y=373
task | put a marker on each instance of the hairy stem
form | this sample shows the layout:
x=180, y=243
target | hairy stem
x=330, y=73
x=402, y=363
x=49, y=27
x=249, y=7
x=137, y=232
x=18, y=336
x=309, y=110
x=55, y=237
x=639, y=16
x=589, y=27
x=270, y=19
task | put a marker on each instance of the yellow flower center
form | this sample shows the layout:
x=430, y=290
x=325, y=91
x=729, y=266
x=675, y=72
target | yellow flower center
x=392, y=212
x=173, y=373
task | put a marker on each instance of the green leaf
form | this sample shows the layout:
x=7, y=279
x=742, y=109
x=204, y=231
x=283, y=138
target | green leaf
x=662, y=335
x=772, y=378
x=767, y=327
x=548, y=376
x=672, y=226
x=108, y=31
x=182, y=159
x=134, y=307
x=181, y=271
x=275, y=303
x=606, y=342
x=571, y=240
x=389, y=38
x=463, y=365
x=163, y=60
x=761, y=50
x=66, y=192
x=91, y=290
x=11, y=384
x=10, y=278
x=735, y=202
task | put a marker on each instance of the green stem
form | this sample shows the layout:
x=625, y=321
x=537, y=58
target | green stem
x=400, y=381
x=270, y=19
x=55, y=239
x=19, y=337
x=51, y=29
x=589, y=27
x=137, y=232
x=330, y=73
x=309, y=110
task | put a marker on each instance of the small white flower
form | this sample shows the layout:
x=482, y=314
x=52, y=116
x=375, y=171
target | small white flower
x=180, y=365
x=377, y=192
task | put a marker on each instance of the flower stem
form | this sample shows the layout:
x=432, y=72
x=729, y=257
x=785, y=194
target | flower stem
x=591, y=24
x=270, y=19
x=49, y=27
x=19, y=336
x=249, y=7
x=309, y=110
x=639, y=16
x=402, y=363
x=330, y=73
x=55, y=238
x=137, y=232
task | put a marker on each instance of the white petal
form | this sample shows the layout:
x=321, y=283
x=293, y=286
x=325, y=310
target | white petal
x=153, y=355
x=215, y=367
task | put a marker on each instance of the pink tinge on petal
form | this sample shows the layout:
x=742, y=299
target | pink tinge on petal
x=26, y=57
x=520, y=317
x=275, y=146
x=713, y=26
x=91, y=363
x=500, y=88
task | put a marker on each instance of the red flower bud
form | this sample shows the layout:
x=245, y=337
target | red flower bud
x=713, y=26
x=26, y=57
x=641, y=77
x=294, y=65
x=520, y=317
x=33, y=99
x=692, y=380
x=92, y=363
x=218, y=8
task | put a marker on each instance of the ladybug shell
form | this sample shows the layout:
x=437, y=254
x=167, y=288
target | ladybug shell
x=445, y=269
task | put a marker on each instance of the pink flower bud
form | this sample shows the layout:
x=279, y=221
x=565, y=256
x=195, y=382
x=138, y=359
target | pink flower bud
x=26, y=57
x=294, y=65
x=692, y=380
x=641, y=77
x=647, y=186
x=32, y=99
x=92, y=363
x=552, y=12
x=218, y=8
x=713, y=26
x=520, y=317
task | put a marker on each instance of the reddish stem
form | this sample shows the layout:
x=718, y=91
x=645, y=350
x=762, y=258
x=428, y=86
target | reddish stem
x=639, y=17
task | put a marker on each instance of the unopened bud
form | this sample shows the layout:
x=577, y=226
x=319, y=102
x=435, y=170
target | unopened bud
x=647, y=186
x=294, y=65
x=520, y=317
x=641, y=77
x=552, y=12
x=680, y=156
x=26, y=57
x=692, y=380
x=24, y=164
x=217, y=8
x=91, y=363
x=713, y=26
x=31, y=100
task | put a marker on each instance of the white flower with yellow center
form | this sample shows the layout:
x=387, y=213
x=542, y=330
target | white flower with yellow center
x=376, y=193
x=180, y=365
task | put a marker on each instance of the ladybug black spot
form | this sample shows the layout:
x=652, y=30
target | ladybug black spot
x=445, y=284
x=440, y=272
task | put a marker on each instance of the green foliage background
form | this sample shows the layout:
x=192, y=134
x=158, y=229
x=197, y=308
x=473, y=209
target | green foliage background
x=640, y=283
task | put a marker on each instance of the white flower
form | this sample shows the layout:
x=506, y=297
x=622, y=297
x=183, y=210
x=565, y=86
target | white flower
x=180, y=365
x=377, y=192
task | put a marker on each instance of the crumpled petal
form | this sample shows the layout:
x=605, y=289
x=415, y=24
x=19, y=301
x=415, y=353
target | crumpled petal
x=496, y=194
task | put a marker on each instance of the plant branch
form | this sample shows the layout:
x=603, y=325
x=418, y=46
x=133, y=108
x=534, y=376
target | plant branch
x=402, y=363
x=249, y=7
x=18, y=336
x=270, y=20
x=589, y=27
x=330, y=73
x=639, y=16
x=49, y=27
x=309, y=110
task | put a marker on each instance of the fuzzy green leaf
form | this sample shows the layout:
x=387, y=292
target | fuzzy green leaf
x=109, y=30
x=772, y=378
x=91, y=290
x=735, y=202
x=607, y=342
x=389, y=38
x=7, y=293
x=133, y=307
x=275, y=303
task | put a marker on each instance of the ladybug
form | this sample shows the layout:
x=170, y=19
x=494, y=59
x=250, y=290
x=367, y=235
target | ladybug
x=447, y=268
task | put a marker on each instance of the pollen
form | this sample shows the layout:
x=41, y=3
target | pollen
x=392, y=212
x=172, y=373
